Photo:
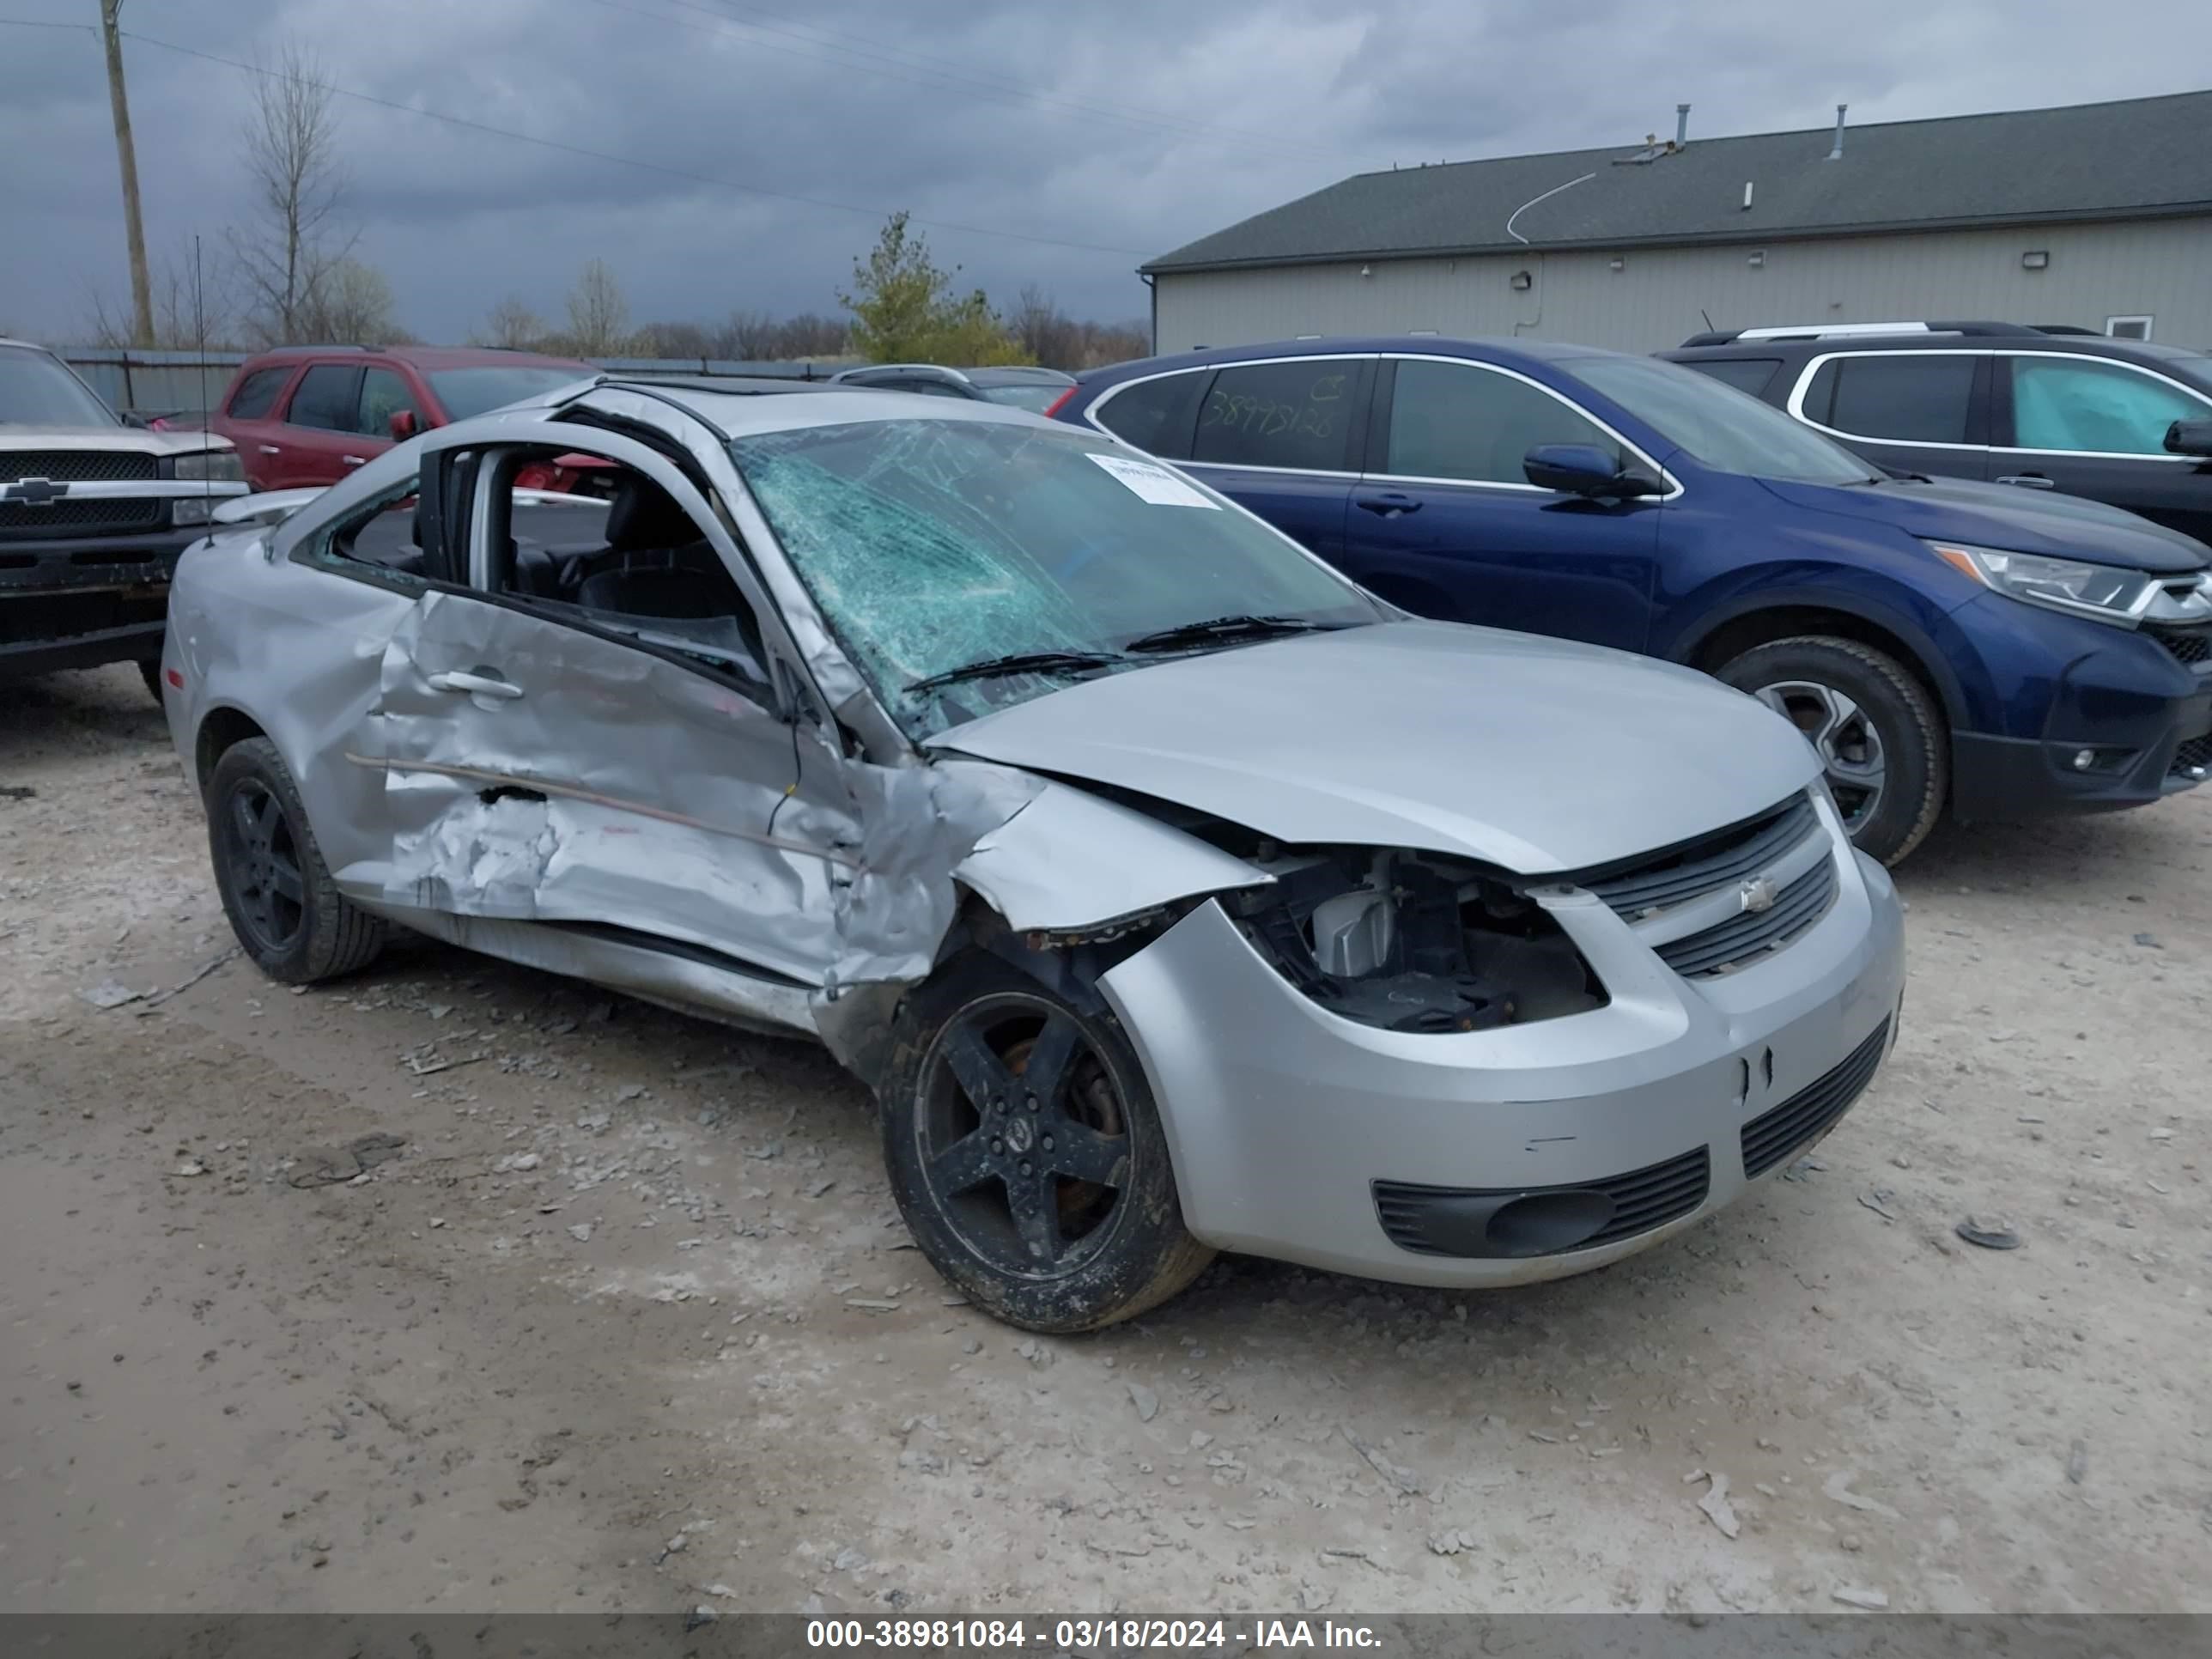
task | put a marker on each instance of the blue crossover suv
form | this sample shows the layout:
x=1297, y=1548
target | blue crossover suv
x=1943, y=644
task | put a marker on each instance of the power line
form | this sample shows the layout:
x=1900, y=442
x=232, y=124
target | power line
x=874, y=61
x=630, y=161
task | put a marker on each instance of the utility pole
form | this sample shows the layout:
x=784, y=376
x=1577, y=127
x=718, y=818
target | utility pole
x=142, y=290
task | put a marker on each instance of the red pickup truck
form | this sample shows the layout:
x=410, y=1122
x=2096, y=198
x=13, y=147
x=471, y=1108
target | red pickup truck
x=305, y=416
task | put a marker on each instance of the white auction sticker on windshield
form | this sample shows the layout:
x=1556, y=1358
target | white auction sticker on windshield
x=1155, y=484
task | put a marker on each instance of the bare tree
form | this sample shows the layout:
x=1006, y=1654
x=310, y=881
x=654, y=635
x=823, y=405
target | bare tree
x=748, y=336
x=190, y=303
x=812, y=336
x=352, y=305
x=674, y=340
x=512, y=324
x=598, y=316
x=1046, y=331
x=288, y=250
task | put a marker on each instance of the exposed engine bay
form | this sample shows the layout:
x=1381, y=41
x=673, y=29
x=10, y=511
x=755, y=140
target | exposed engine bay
x=1410, y=942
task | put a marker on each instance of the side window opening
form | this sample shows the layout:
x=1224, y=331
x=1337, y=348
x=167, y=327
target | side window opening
x=257, y=393
x=325, y=398
x=625, y=559
x=1463, y=422
x=1903, y=397
x=2072, y=403
x=1157, y=415
x=384, y=533
x=1295, y=415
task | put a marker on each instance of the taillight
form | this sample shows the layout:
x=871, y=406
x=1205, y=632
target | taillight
x=1060, y=402
x=534, y=476
x=175, y=679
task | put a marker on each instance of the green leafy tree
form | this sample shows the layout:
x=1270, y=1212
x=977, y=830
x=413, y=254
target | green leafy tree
x=905, y=308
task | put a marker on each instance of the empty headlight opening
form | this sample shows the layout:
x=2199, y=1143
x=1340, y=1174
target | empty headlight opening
x=1411, y=942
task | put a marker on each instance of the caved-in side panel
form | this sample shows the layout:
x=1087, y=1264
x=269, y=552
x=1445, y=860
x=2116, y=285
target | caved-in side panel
x=598, y=782
x=300, y=652
x=660, y=791
x=916, y=824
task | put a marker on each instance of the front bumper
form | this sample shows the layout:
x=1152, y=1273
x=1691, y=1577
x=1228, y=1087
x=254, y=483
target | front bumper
x=1282, y=1118
x=2127, y=698
x=80, y=601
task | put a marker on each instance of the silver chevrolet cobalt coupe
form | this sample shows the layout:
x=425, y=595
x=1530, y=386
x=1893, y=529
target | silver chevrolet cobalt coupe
x=1172, y=894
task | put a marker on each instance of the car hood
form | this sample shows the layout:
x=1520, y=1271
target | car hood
x=112, y=440
x=1533, y=755
x=2009, y=517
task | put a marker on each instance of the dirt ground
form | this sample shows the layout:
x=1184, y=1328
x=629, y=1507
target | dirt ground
x=618, y=1313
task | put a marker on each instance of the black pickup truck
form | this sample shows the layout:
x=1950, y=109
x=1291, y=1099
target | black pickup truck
x=94, y=512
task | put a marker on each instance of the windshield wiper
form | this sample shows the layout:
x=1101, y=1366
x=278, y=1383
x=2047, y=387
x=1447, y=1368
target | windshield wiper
x=1225, y=628
x=1021, y=662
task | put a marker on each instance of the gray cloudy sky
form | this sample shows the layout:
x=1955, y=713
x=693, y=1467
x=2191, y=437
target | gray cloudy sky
x=1110, y=132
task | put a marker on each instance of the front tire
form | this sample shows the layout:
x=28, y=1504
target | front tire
x=151, y=673
x=286, y=911
x=1882, y=740
x=1027, y=1155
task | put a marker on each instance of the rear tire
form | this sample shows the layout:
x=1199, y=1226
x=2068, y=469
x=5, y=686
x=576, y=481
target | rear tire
x=286, y=911
x=151, y=673
x=1026, y=1153
x=1882, y=740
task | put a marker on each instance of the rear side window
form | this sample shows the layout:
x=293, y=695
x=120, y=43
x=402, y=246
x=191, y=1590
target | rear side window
x=383, y=394
x=325, y=399
x=1296, y=414
x=1156, y=416
x=1752, y=375
x=2071, y=403
x=1902, y=397
x=1456, y=421
x=257, y=393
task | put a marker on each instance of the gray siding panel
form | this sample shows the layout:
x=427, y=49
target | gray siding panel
x=2159, y=268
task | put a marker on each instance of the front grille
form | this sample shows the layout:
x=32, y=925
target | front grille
x=2197, y=752
x=73, y=465
x=2189, y=645
x=1711, y=861
x=66, y=517
x=1774, y=1136
x=1717, y=862
x=1642, y=1200
x=1736, y=941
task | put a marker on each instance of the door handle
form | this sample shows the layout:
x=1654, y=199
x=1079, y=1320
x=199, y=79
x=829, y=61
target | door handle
x=480, y=685
x=2029, y=480
x=268, y=449
x=353, y=460
x=1388, y=505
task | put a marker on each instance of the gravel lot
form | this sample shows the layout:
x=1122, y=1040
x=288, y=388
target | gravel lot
x=616, y=1311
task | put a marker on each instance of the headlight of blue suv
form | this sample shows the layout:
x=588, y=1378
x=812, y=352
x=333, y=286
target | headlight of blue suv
x=210, y=465
x=2103, y=592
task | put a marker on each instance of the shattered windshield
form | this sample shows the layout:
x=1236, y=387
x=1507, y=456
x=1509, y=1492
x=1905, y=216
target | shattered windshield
x=934, y=545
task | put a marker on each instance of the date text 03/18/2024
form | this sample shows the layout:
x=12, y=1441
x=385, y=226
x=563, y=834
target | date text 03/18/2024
x=1086, y=1635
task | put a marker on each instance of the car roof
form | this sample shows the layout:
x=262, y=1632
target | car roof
x=1475, y=349
x=2094, y=345
x=432, y=357
x=764, y=406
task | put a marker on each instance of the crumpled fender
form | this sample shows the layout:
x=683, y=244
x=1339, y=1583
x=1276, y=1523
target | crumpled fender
x=1069, y=859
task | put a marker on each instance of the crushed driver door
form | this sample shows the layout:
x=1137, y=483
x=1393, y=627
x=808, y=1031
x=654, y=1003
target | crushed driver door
x=539, y=770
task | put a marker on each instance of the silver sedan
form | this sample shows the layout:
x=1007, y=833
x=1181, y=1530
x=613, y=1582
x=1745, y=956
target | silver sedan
x=1171, y=893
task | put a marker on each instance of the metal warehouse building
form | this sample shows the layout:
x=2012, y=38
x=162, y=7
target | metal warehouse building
x=2098, y=215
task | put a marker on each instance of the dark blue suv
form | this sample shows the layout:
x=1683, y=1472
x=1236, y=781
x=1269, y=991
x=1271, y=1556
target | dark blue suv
x=1941, y=643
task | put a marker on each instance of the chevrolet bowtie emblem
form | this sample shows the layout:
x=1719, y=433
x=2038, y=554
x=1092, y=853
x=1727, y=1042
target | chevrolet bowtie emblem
x=1759, y=894
x=33, y=492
